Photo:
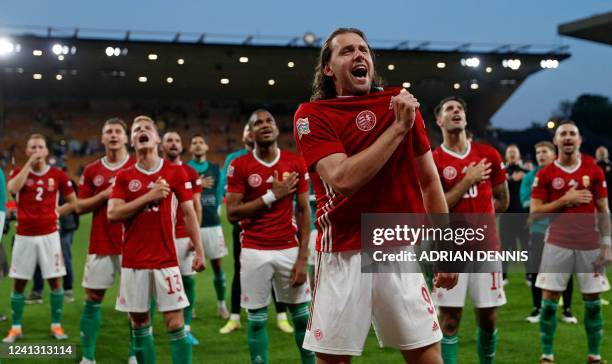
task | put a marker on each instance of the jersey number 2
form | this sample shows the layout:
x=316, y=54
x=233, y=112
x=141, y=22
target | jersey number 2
x=39, y=193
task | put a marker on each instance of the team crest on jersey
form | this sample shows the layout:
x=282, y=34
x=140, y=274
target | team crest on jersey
x=134, y=185
x=98, y=181
x=303, y=127
x=558, y=183
x=449, y=173
x=29, y=182
x=254, y=180
x=365, y=120
x=50, y=185
x=586, y=181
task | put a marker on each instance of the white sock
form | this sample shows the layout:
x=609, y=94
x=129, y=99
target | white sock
x=281, y=316
x=16, y=327
x=55, y=325
x=235, y=317
x=188, y=328
x=221, y=304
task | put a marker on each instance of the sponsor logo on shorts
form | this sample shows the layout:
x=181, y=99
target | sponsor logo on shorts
x=122, y=300
x=318, y=334
x=255, y=180
x=558, y=183
x=134, y=185
x=365, y=120
x=435, y=326
x=303, y=127
x=245, y=298
x=449, y=173
x=180, y=299
x=98, y=180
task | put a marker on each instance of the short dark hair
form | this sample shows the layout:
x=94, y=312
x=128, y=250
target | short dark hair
x=116, y=121
x=197, y=135
x=546, y=144
x=438, y=107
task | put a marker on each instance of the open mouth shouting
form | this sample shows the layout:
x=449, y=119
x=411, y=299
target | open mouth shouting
x=360, y=73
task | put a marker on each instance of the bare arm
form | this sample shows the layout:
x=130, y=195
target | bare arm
x=473, y=174
x=339, y=170
x=501, y=197
x=69, y=206
x=603, y=217
x=192, y=226
x=238, y=210
x=571, y=197
x=303, y=221
x=119, y=210
x=89, y=204
x=431, y=188
x=197, y=205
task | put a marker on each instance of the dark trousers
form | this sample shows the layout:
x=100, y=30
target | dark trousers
x=512, y=229
x=280, y=307
x=66, y=241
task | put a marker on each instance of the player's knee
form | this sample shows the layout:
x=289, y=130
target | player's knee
x=174, y=320
x=551, y=295
x=94, y=295
x=486, y=319
x=217, y=266
x=139, y=319
x=590, y=296
x=449, y=320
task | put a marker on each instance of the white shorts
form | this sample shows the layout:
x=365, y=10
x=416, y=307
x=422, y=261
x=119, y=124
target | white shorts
x=347, y=302
x=43, y=250
x=101, y=270
x=312, y=246
x=262, y=270
x=485, y=290
x=214, y=242
x=139, y=285
x=558, y=264
x=185, y=256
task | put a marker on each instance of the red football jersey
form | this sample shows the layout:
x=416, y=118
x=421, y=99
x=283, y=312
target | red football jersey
x=575, y=226
x=452, y=166
x=37, y=200
x=196, y=183
x=350, y=125
x=149, y=235
x=105, y=238
x=273, y=228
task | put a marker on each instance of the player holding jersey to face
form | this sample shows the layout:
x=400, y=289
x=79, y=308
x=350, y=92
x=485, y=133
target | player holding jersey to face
x=104, y=253
x=367, y=151
x=577, y=240
x=261, y=186
x=145, y=198
x=37, y=187
x=172, y=148
x=474, y=181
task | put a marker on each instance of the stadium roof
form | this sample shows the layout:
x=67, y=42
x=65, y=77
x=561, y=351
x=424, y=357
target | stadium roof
x=252, y=70
x=597, y=28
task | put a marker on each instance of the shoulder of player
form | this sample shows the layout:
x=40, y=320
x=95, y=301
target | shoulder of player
x=92, y=165
x=245, y=158
x=546, y=170
x=485, y=149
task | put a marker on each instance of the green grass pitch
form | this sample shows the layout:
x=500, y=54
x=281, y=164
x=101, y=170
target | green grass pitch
x=519, y=341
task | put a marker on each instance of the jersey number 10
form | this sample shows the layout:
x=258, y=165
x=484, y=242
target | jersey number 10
x=472, y=192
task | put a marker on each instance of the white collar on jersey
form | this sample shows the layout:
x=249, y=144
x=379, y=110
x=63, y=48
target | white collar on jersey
x=271, y=164
x=455, y=154
x=569, y=170
x=41, y=173
x=116, y=166
x=154, y=170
